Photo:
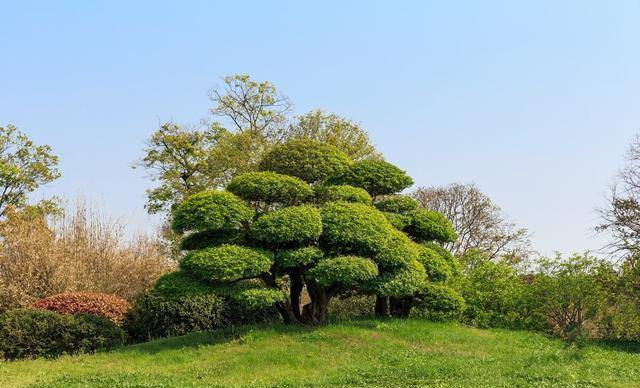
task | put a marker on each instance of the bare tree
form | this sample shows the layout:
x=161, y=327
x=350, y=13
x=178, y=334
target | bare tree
x=621, y=217
x=479, y=222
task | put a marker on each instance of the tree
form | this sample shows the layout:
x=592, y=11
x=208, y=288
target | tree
x=621, y=217
x=24, y=166
x=273, y=233
x=479, y=222
x=251, y=106
x=337, y=131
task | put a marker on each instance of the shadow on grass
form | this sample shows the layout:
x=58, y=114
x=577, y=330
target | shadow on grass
x=226, y=335
x=619, y=346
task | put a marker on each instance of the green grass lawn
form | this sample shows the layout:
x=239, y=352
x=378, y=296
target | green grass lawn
x=353, y=354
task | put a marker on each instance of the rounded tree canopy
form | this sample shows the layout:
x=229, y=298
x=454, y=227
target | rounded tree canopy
x=405, y=281
x=399, y=221
x=438, y=269
x=252, y=295
x=270, y=187
x=440, y=298
x=298, y=257
x=308, y=160
x=396, y=250
x=396, y=204
x=211, y=238
x=376, y=176
x=211, y=210
x=179, y=283
x=354, y=228
x=345, y=193
x=351, y=272
x=288, y=226
x=453, y=263
x=227, y=263
x=427, y=225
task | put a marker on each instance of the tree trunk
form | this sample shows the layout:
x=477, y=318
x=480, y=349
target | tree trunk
x=382, y=307
x=400, y=307
x=315, y=312
x=295, y=291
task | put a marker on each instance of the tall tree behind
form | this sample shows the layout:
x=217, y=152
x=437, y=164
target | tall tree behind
x=24, y=167
x=621, y=217
x=335, y=130
x=479, y=222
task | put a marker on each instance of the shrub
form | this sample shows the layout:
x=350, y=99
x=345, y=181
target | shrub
x=308, y=160
x=356, y=306
x=299, y=257
x=156, y=316
x=211, y=238
x=439, y=302
x=226, y=263
x=26, y=333
x=211, y=210
x=346, y=271
x=405, y=281
x=270, y=187
x=396, y=204
x=108, y=306
x=288, y=226
x=377, y=177
x=179, y=283
x=354, y=228
x=427, y=225
x=399, y=221
x=438, y=269
x=345, y=193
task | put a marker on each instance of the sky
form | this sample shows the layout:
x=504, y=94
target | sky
x=534, y=101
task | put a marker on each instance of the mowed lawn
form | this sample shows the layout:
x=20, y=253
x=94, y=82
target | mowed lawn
x=351, y=354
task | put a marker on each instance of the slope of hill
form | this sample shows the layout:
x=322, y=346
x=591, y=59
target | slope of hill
x=352, y=354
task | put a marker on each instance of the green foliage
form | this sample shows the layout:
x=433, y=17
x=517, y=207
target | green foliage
x=427, y=225
x=439, y=302
x=308, y=160
x=270, y=188
x=405, y=281
x=292, y=225
x=179, y=283
x=212, y=238
x=354, y=228
x=399, y=221
x=298, y=257
x=24, y=167
x=454, y=264
x=332, y=129
x=157, y=315
x=438, y=269
x=352, y=307
x=211, y=210
x=351, y=272
x=226, y=263
x=376, y=176
x=344, y=193
x=396, y=250
x=251, y=296
x=396, y=204
x=26, y=333
x=494, y=293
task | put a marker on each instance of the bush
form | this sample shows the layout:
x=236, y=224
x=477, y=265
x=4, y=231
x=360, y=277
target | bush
x=156, y=316
x=179, y=283
x=396, y=204
x=26, y=333
x=108, y=306
x=308, y=160
x=427, y=225
x=211, y=210
x=344, y=271
x=352, y=307
x=226, y=263
x=270, y=187
x=292, y=225
x=298, y=257
x=399, y=221
x=439, y=302
x=211, y=238
x=354, y=228
x=438, y=269
x=404, y=281
x=345, y=193
x=377, y=177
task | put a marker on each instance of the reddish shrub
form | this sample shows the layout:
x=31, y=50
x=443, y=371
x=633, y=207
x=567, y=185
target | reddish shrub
x=105, y=305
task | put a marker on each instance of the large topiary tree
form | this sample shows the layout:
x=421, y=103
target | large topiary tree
x=313, y=219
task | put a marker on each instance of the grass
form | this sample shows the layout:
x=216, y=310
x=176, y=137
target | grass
x=351, y=354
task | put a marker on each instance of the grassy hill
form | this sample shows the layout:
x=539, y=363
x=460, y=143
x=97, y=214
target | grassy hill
x=363, y=353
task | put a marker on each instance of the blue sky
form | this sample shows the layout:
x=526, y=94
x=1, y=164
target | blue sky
x=534, y=101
